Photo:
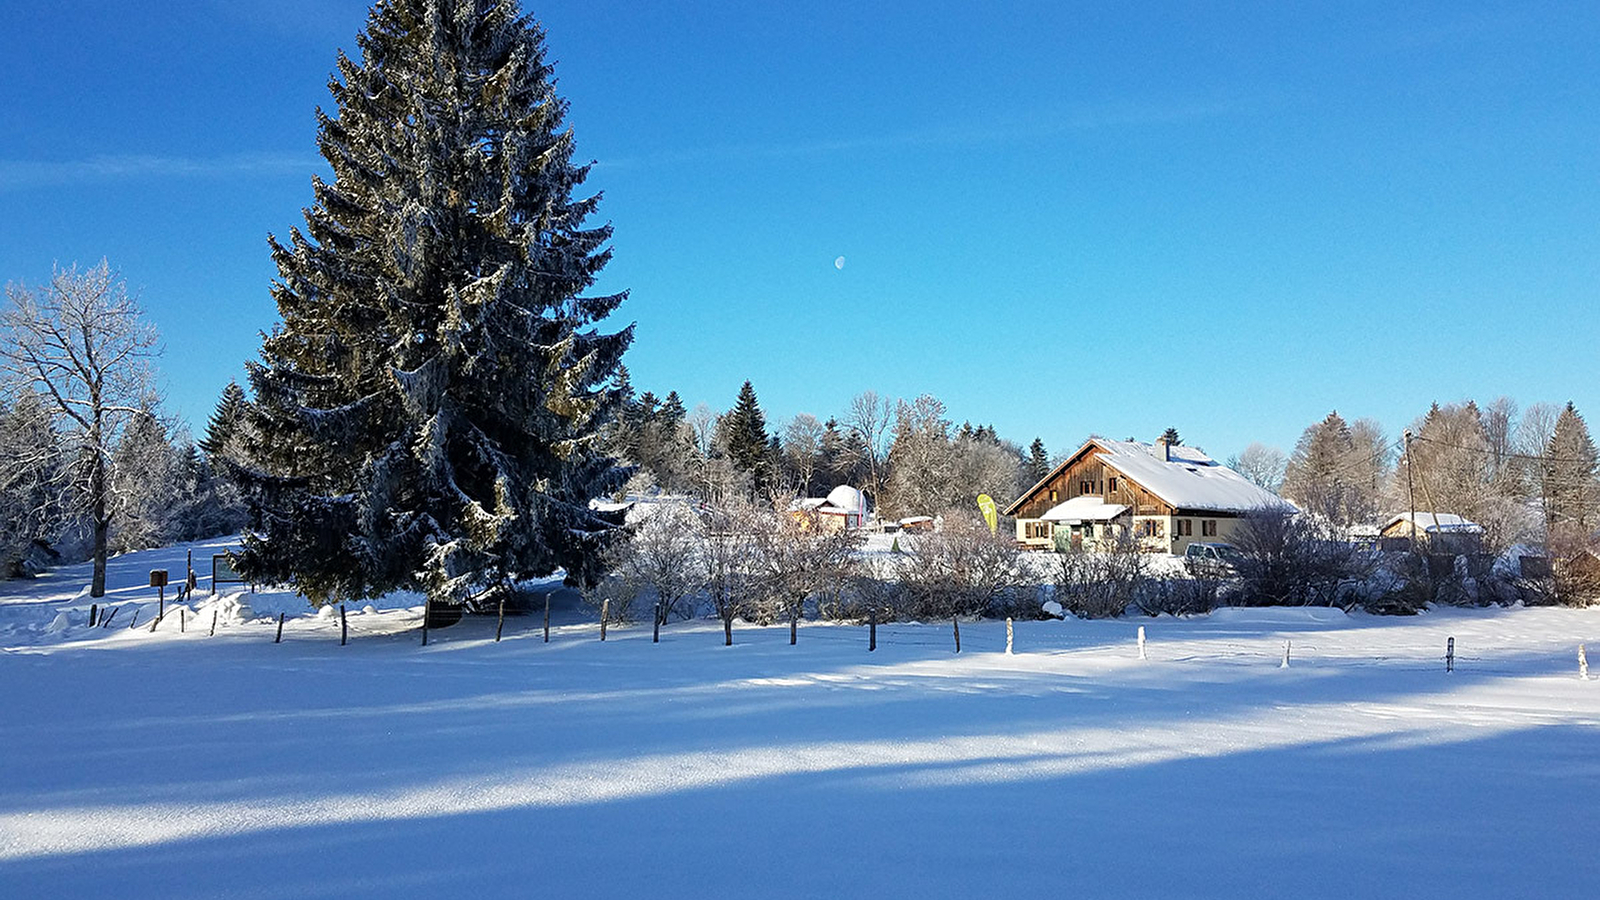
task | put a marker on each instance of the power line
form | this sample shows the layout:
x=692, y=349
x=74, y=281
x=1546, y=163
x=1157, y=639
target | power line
x=1505, y=455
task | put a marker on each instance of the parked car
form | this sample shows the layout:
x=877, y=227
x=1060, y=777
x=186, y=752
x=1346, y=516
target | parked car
x=1212, y=558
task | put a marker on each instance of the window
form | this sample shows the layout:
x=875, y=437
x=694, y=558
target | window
x=1111, y=484
x=1185, y=527
x=1149, y=528
x=1208, y=527
x=1039, y=530
x=1052, y=496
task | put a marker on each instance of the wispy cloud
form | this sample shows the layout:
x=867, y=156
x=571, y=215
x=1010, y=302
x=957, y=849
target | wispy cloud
x=24, y=174
x=1004, y=130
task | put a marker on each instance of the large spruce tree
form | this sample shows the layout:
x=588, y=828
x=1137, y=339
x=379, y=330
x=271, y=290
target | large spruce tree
x=745, y=427
x=427, y=415
x=1570, y=478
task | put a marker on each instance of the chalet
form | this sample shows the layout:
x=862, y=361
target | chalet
x=1169, y=495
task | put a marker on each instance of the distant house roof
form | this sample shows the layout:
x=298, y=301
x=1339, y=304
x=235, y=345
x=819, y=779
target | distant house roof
x=1189, y=479
x=1434, y=523
x=1084, y=509
x=843, y=500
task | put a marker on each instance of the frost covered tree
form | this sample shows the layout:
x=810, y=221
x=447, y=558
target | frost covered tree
x=1570, y=477
x=869, y=419
x=83, y=345
x=32, y=501
x=802, y=454
x=922, y=464
x=1337, y=470
x=146, y=486
x=1261, y=465
x=428, y=413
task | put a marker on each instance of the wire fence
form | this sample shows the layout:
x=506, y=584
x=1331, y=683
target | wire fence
x=970, y=637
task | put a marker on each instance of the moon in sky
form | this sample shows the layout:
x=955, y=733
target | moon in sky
x=838, y=263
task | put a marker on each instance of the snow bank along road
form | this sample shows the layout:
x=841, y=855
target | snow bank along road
x=173, y=765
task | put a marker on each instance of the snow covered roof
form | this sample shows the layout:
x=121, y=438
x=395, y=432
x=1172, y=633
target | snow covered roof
x=848, y=499
x=1084, y=509
x=1190, y=480
x=843, y=500
x=1436, y=522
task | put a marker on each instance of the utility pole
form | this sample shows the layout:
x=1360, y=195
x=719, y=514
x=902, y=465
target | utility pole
x=1411, y=503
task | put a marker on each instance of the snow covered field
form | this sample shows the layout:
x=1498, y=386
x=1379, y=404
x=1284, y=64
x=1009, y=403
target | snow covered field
x=179, y=765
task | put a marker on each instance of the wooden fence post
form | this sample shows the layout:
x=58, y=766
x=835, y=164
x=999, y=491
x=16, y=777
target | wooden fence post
x=427, y=613
x=957, y=623
x=1008, y=635
x=547, y=618
x=213, y=624
x=1141, y=643
x=94, y=614
x=655, y=636
x=872, y=631
x=181, y=620
x=106, y=621
x=794, y=619
x=1450, y=655
x=605, y=613
x=135, y=619
x=344, y=627
x=279, y=638
x=1583, y=664
x=1285, y=663
x=500, y=625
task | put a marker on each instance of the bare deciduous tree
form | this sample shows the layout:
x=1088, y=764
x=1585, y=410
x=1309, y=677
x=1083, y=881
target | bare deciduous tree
x=1261, y=465
x=870, y=417
x=84, y=345
x=661, y=556
x=963, y=569
x=802, y=448
x=795, y=556
x=724, y=554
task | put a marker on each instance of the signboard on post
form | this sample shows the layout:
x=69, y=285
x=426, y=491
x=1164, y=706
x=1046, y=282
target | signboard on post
x=222, y=572
x=158, y=578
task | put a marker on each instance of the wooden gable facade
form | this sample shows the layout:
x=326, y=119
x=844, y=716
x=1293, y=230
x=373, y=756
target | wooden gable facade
x=1083, y=474
x=1091, y=472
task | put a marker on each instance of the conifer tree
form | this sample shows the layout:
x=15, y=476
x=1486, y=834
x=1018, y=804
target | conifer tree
x=1038, y=460
x=1337, y=470
x=428, y=413
x=1571, y=468
x=224, y=424
x=745, y=428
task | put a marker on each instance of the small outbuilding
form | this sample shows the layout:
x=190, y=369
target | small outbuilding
x=1441, y=533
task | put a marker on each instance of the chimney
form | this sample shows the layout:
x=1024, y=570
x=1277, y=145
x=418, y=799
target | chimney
x=1166, y=448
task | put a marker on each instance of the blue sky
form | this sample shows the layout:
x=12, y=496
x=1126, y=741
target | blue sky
x=1059, y=218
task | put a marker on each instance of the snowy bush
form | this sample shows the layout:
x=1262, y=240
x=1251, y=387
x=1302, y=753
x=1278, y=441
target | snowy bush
x=1292, y=559
x=1196, y=593
x=964, y=570
x=1100, y=584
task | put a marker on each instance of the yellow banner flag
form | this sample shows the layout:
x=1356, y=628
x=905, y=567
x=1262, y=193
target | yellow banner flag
x=990, y=514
